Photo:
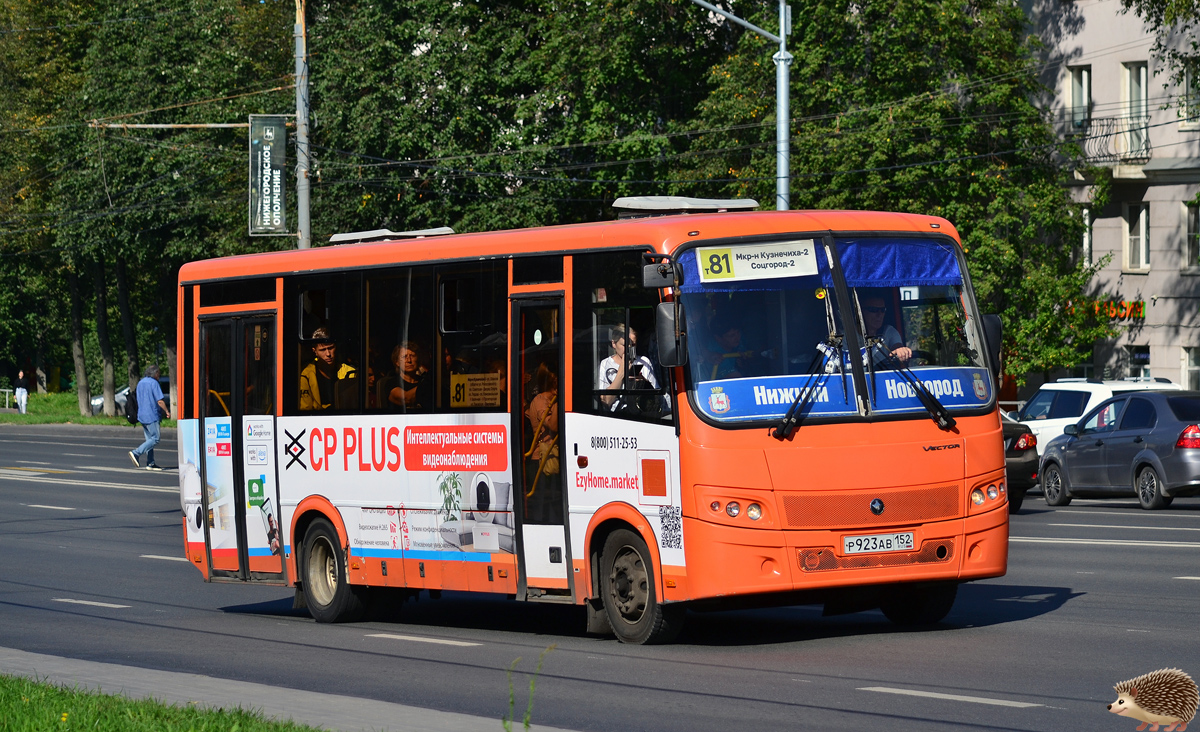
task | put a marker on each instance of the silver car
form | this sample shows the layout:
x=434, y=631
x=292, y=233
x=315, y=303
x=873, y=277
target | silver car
x=1146, y=444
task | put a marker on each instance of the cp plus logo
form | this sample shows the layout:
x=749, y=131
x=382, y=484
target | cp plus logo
x=294, y=449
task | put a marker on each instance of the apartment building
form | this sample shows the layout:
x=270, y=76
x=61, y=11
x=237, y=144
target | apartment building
x=1116, y=99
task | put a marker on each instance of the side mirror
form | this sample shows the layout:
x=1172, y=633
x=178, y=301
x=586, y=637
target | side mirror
x=657, y=275
x=1014, y=415
x=672, y=343
x=1071, y=429
x=993, y=333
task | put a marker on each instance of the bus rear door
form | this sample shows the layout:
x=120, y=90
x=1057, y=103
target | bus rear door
x=241, y=496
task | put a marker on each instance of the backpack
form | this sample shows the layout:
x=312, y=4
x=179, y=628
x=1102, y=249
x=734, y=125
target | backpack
x=131, y=406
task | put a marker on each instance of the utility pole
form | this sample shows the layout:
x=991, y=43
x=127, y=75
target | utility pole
x=783, y=63
x=303, y=228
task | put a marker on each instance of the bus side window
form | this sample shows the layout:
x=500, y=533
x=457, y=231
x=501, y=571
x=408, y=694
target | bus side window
x=616, y=371
x=403, y=353
x=328, y=356
x=472, y=302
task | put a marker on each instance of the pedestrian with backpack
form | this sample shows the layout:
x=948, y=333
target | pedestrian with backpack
x=150, y=410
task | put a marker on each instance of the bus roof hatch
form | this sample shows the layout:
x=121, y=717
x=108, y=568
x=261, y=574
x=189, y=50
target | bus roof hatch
x=632, y=207
x=379, y=234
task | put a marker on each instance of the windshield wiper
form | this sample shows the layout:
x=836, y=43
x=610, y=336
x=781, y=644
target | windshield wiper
x=937, y=411
x=825, y=349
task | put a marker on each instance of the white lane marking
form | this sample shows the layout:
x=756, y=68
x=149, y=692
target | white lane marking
x=16, y=473
x=1115, y=526
x=77, y=454
x=419, y=639
x=52, y=508
x=1139, y=512
x=26, y=478
x=950, y=697
x=88, y=602
x=31, y=462
x=159, y=556
x=1187, y=578
x=1105, y=542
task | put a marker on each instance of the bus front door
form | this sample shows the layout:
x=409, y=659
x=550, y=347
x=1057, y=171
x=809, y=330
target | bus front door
x=544, y=552
x=241, y=495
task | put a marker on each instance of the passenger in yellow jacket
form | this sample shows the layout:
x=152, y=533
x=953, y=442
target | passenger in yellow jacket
x=323, y=382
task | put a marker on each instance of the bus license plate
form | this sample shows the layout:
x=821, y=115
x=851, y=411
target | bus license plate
x=879, y=543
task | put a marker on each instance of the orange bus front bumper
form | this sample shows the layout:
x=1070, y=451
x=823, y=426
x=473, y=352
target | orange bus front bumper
x=726, y=561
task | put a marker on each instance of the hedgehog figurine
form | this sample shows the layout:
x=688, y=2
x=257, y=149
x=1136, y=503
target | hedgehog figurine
x=1167, y=696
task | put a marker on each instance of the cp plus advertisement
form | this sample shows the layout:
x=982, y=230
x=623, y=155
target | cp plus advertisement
x=426, y=487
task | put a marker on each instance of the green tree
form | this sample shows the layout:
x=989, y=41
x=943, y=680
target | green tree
x=922, y=106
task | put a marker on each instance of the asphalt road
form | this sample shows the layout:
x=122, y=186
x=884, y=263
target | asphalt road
x=1100, y=591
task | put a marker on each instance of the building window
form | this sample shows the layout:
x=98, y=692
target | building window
x=1137, y=236
x=1081, y=97
x=1139, y=361
x=1085, y=248
x=1137, y=114
x=1191, y=93
x=1191, y=238
x=1191, y=367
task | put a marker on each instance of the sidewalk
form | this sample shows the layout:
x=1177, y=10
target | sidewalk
x=330, y=711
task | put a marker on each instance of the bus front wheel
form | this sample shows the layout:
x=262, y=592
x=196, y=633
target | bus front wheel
x=919, y=604
x=630, y=599
x=327, y=592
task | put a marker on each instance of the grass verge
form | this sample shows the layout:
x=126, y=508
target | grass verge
x=32, y=706
x=62, y=408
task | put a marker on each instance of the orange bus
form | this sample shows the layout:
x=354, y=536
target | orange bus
x=693, y=405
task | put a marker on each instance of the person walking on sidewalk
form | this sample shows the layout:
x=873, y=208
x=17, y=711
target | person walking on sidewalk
x=22, y=387
x=149, y=403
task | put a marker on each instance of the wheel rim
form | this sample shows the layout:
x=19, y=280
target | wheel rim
x=1053, y=484
x=629, y=584
x=1148, y=486
x=322, y=572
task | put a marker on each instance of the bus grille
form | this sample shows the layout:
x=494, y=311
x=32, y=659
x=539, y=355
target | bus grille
x=825, y=559
x=845, y=510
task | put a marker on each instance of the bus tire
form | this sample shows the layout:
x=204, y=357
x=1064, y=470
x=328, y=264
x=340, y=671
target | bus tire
x=327, y=591
x=630, y=599
x=919, y=604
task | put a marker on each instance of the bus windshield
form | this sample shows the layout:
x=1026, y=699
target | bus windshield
x=766, y=329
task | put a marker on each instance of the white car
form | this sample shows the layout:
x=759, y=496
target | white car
x=1063, y=402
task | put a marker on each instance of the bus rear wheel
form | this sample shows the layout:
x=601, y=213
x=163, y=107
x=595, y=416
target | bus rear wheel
x=327, y=592
x=919, y=604
x=630, y=599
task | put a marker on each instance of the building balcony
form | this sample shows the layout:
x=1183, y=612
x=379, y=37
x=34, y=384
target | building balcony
x=1113, y=141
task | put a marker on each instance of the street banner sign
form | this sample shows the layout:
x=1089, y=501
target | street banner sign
x=268, y=161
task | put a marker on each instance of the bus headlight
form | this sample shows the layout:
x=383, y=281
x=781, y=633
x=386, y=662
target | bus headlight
x=715, y=506
x=977, y=496
x=993, y=494
x=733, y=509
x=754, y=511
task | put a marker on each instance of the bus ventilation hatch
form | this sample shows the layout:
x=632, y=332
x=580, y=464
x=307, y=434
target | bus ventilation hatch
x=852, y=509
x=825, y=559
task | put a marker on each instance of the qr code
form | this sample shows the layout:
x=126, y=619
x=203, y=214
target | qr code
x=671, y=533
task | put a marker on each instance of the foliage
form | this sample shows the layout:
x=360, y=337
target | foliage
x=507, y=719
x=32, y=706
x=497, y=114
x=922, y=106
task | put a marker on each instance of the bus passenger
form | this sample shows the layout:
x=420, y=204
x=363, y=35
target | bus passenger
x=612, y=377
x=325, y=382
x=874, y=309
x=411, y=389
